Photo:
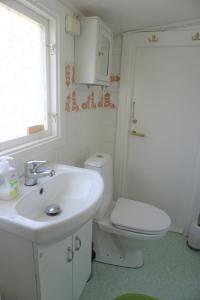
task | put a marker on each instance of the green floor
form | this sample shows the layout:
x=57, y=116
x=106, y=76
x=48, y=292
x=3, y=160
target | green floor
x=171, y=271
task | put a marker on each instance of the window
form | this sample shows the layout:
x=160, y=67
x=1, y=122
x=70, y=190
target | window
x=26, y=68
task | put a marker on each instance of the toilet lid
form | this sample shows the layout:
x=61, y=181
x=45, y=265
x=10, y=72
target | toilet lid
x=139, y=217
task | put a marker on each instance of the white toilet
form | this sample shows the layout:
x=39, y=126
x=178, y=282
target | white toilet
x=121, y=226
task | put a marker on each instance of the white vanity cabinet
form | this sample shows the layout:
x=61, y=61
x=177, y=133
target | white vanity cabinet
x=82, y=243
x=93, y=52
x=65, y=266
x=55, y=264
x=53, y=271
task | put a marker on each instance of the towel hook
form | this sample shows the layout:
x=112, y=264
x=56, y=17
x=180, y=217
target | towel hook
x=196, y=37
x=153, y=38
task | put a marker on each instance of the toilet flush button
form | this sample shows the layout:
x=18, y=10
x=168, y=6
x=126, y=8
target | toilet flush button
x=98, y=160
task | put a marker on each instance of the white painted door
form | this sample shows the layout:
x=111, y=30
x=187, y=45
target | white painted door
x=82, y=245
x=161, y=167
x=55, y=270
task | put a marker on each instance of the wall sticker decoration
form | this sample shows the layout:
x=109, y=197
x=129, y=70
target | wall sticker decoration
x=114, y=78
x=90, y=103
x=69, y=75
x=105, y=100
x=71, y=104
x=97, y=96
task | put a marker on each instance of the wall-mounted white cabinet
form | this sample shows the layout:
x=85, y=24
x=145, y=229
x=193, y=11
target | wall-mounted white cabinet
x=45, y=272
x=93, y=52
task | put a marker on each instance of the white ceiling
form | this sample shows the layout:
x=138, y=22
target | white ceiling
x=124, y=15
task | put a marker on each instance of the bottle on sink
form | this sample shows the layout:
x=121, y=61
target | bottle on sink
x=9, y=181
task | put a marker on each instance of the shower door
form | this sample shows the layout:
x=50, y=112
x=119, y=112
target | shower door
x=161, y=167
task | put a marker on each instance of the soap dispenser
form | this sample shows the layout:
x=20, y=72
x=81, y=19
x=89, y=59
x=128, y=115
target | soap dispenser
x=9, y=181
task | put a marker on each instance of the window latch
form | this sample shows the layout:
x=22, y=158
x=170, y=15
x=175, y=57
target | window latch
x=53, y=117
x=52, y=49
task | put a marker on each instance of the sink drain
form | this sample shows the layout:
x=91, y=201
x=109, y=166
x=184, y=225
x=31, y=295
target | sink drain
x=53, y=210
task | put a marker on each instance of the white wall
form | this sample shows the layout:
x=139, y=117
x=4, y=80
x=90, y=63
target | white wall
x=86, y=131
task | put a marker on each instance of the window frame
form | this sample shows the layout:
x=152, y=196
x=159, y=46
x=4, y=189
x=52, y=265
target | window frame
x=53, y=131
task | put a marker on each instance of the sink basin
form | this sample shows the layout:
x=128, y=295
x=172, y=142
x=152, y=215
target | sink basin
x=75, y=191
x=69, y=190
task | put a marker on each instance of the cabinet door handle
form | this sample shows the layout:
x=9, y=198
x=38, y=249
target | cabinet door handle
x=70, y=254
x=77, y=243
x=100, y=53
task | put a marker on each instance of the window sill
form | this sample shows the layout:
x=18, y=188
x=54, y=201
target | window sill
x=41, y=145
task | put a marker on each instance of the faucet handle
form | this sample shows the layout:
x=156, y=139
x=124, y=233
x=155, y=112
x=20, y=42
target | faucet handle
x=34, y=164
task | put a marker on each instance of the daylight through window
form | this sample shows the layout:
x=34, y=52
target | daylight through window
x=24, y=91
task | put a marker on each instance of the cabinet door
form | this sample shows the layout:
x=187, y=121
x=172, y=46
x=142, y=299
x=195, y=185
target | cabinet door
x=55, y=270
x=104, y=55
x=82, y=244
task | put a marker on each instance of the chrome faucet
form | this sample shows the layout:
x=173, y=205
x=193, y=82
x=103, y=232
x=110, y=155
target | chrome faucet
x=32, y=173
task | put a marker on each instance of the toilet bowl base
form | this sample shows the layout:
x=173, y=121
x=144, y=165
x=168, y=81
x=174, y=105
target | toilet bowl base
x=135, y=260
x=110, y=249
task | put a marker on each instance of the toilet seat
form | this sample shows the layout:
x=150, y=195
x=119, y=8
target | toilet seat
x=139, y=217
x=106, y=225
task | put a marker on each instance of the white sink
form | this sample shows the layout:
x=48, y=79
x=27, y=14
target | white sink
x=75, y=190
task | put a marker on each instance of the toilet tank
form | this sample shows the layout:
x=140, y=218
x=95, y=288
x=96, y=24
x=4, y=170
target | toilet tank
x=102, y=163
